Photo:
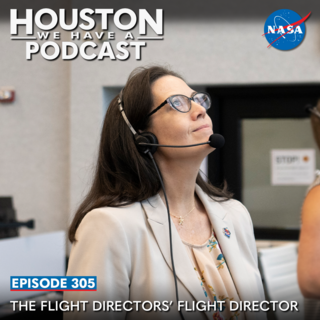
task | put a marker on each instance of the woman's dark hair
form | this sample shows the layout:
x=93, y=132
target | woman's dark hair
x=123, y=175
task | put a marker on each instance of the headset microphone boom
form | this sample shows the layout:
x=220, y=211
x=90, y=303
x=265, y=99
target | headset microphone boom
x=215, y=141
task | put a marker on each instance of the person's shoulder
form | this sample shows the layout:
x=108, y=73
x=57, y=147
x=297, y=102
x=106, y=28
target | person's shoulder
x=314, y=193
x=236, y=211
x=315, y=183
x=113, y=218
x=311, y=205
x=107, y=224
x=120, y=212
x=232, y=204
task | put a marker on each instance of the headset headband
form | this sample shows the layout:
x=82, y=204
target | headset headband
x=124, y=115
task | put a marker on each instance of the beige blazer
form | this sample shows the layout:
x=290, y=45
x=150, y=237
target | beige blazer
x=128, y=249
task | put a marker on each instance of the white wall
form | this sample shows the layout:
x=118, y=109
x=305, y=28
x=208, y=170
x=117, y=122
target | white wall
x=34, y=136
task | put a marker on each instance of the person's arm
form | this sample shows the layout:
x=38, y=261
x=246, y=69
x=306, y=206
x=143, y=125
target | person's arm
x=101, y=250
x=309, y=246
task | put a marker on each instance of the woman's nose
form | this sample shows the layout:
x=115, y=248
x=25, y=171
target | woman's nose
x=197, y=110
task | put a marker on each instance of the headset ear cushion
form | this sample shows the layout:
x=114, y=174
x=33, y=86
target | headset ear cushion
x=146, y=137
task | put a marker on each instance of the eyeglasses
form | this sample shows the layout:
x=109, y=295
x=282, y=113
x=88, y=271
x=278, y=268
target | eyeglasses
x=182, y=103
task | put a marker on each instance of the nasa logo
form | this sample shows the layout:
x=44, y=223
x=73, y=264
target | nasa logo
x=284, y=29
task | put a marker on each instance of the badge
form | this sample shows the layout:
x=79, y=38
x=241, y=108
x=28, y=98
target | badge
x=226, y=232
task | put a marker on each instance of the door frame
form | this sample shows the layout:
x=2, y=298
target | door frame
x=232, y=104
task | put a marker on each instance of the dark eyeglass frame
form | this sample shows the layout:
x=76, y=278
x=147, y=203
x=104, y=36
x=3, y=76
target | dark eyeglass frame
x=175, y=95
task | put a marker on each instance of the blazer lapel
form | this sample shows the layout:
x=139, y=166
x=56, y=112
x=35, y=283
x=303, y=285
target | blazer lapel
x=156, y=212
x=242, y=279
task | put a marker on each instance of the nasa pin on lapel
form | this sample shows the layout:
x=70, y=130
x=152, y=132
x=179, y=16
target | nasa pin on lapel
x=226, y=232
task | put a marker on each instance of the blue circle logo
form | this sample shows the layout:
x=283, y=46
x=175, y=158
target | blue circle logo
x=285, y=29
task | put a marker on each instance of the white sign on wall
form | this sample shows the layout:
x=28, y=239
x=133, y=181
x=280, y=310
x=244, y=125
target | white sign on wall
x=292, y=167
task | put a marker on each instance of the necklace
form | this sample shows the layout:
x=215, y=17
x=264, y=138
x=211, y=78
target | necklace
x=181, y=219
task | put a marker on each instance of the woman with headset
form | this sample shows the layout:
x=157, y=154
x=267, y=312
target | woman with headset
x=309, y=244
x=151, y=229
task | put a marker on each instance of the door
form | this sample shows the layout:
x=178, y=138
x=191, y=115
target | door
x=262, y=126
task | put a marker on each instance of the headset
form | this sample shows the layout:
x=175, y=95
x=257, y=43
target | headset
x=147, y=144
